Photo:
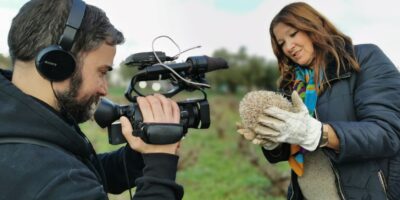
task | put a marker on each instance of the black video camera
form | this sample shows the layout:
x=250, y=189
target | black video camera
x=186, y=76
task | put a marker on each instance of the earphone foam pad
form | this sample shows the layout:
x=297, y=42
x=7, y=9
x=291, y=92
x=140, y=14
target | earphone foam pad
x=55, y=64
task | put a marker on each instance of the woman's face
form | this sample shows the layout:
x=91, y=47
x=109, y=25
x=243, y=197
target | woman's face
x=295, y=44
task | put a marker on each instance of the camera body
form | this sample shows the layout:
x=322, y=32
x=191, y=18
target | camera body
x=194, y=113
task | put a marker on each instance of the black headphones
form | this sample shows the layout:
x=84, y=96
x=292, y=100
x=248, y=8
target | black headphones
x=55, y=62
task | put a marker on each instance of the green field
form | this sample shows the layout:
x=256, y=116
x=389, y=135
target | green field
x=215, y=163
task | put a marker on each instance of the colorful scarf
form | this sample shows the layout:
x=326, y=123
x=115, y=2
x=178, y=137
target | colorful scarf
x=305, y=87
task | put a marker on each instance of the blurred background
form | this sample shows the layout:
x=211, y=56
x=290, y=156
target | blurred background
x=217, y=163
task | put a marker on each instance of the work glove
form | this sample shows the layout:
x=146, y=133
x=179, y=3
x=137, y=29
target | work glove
x=251, y=136
x=297, y=127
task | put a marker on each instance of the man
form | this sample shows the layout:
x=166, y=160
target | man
x=43, y=153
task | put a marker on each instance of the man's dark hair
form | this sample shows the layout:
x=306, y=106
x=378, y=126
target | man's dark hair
x=40, y=23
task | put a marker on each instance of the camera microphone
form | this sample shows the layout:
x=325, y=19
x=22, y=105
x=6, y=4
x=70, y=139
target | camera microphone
x=193, y=65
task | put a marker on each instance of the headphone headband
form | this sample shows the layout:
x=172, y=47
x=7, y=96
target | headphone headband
x=73, y=24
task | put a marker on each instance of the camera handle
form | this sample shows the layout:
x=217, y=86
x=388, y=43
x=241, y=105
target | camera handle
x=150, y=133
x=159, y=133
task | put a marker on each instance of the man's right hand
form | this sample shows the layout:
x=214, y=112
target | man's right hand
x=157, y=109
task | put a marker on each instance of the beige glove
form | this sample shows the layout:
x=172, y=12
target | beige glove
x=300, y=128
x=254, y=138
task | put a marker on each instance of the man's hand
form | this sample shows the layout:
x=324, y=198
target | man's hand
x=155, y=108
x=295, y=128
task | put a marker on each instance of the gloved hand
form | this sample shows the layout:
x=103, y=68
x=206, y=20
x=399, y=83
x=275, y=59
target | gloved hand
x=299, y=127
x=250, y=135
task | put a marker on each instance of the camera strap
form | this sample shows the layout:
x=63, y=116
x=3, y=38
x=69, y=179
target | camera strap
x=159, y=133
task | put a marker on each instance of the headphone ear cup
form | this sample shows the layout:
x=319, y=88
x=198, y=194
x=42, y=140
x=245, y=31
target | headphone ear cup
x=55, y=64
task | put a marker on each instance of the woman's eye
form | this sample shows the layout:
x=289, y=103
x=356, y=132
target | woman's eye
x=294, y=34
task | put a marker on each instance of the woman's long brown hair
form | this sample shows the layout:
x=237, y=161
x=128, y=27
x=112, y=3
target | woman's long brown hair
x=328, y=42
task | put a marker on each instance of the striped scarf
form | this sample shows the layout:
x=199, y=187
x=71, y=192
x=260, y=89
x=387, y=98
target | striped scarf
x=305, y=87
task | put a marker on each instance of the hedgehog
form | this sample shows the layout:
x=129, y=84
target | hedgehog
x=254, y=103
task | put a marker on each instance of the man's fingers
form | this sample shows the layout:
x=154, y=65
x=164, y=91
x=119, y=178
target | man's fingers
x=156, y=107
x=176, y=113
x=165, y=104
x=126, y=126
x=145, y=109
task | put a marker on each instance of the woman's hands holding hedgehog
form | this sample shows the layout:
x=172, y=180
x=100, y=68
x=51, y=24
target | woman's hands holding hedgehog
x=251, y=107
x=296, y=127
x=277, y=123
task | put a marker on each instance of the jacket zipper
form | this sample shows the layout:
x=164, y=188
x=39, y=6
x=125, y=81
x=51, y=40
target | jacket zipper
x=291, y=196
x=383, y=182
x=338, y=185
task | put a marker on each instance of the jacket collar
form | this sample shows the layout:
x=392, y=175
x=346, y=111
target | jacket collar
x=344, y=72
x=23, y=116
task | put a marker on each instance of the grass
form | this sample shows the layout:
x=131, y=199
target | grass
x=212, y=163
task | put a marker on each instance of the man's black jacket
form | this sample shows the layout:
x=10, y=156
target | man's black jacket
x=70, y=169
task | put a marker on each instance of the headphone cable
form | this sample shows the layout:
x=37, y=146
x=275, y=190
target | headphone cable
x=126, y=174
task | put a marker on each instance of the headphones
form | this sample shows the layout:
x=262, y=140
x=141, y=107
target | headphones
x=55, y=62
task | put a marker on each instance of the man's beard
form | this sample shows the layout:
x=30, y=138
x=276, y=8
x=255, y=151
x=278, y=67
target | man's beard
x=79, y=110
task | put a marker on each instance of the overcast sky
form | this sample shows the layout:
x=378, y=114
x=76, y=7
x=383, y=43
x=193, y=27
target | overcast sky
x=229, y=24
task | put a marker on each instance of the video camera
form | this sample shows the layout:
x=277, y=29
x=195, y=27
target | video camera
x=185, y=76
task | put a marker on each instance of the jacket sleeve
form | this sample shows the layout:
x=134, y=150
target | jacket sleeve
x=376, y=100
x=152, y=174
x=158, y=180
x=281, y=153
x=113, y=165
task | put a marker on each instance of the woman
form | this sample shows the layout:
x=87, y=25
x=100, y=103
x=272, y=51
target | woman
x=343, y=142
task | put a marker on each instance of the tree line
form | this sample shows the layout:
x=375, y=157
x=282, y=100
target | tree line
x=246, y=72
x=5, y=62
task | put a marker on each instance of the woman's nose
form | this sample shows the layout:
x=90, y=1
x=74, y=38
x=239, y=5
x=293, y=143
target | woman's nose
x=290, y=47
